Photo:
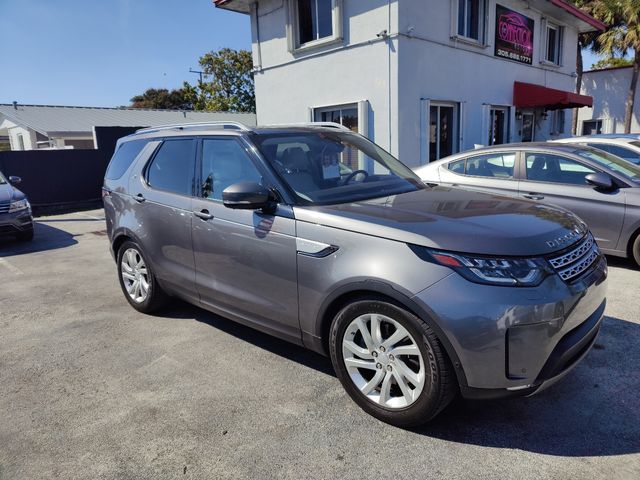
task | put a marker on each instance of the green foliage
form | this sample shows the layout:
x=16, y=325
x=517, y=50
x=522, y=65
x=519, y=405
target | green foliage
x=163, y=99
x=228, y=82
x=612, y=62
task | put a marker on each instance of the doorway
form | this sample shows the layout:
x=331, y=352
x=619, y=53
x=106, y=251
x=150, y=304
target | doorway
x=443, y=130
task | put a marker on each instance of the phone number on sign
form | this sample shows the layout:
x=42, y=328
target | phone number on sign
x=513, y=56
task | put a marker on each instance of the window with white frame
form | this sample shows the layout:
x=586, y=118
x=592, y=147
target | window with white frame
x=314, y=22
x=557, y=122
x=592, y=127
x=20, y=141
x=346, y=115
x=553, y=50
x=471, y=19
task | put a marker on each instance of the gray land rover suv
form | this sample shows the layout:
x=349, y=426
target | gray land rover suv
x=316, y=235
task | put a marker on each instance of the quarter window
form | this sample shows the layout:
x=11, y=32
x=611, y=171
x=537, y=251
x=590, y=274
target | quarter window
x=224, y=162
x=315, y=20
x=457, y=167
x=554, y=44
x=123, y=158
x=173, y=167
x=471, y=19
x=544, y=167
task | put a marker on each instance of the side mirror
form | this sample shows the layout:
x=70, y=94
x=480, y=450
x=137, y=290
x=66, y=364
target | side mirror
x=247, y=196
x=599, y=180
x=15, y=180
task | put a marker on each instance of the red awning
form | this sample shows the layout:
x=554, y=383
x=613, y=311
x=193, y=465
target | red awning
x=528, y=95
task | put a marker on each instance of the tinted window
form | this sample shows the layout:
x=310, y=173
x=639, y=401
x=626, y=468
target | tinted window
x=314, y=20
x=123, y=158
x=617, y=150
x=457, y=166
x=172, y=167
x=499, y=165
x=224, y=162
x=544, y=167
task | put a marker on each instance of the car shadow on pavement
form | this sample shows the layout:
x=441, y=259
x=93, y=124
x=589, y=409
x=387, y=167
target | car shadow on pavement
x=45, y=238
x=594, y=411
x=620, y=262
x=279, y=347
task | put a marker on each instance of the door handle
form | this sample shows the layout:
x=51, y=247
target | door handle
x=139, y=198
x=534, y=196
x=203, y=214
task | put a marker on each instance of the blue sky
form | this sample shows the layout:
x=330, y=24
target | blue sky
x=103, y=52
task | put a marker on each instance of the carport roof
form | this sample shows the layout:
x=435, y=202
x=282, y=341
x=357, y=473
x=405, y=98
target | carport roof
x=50, y=118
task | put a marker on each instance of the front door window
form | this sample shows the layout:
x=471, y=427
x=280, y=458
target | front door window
x=443, y=128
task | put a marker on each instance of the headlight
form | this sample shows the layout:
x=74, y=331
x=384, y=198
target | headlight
x=19, y=205
x=510, y=272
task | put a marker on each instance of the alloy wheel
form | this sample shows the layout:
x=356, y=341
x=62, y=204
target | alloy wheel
x=383, y=361
x=135, y=275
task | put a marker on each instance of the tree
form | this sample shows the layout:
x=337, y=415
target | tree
x=589, y=41
x=612, y=62
x=621, y=39
x=228, y=82
x=163, y=99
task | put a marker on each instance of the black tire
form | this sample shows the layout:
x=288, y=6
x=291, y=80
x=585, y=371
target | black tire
x=440, y=386
x=156, y=298
x=25, y=236
x=635, y=251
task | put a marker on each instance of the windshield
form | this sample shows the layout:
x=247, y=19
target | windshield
x=2, y=179
x=323, y=168
x=617, y=164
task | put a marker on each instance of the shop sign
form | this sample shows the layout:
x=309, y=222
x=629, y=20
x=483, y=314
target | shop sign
x=514, y=36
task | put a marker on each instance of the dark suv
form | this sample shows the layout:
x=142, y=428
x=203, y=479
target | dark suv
x=15, y=212
x=318, y=236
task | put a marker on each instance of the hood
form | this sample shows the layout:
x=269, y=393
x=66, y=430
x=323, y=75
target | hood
x=456, y=220
x=8, y=193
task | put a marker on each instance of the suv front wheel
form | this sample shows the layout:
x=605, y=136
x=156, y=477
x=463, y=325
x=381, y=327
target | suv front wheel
x=137, y=280
x=391, y=363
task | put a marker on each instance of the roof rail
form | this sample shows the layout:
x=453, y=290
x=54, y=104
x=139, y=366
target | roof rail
x=181, y=126
x=313, y=124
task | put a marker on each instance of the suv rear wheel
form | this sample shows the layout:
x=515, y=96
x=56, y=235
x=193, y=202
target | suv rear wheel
x=137, y=280
x=391, y=363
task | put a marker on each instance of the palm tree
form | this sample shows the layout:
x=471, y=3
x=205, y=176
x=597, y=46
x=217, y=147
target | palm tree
x=622, y=38
x=587, y=40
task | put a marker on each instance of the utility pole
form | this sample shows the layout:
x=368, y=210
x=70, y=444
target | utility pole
x=198, y=72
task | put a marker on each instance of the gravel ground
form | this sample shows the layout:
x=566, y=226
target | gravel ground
x=89, y=388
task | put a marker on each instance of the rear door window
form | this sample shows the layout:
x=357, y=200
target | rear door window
x=173, y=167
x=497, y=165
x=123, y=158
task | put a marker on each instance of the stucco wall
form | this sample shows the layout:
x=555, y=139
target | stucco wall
x=609, y=90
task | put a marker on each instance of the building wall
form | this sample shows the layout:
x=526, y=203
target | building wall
x=433, y=67
x=289, y=84
x=28, y=137
x=609, y=91
x=399, y=74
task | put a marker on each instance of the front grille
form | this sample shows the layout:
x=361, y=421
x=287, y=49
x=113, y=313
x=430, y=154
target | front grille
x=4, y=207
x=576, y=261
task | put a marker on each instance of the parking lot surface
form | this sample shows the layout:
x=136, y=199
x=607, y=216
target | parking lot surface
x=89, y=388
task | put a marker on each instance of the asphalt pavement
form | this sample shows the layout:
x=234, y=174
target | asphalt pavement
x=90, y=389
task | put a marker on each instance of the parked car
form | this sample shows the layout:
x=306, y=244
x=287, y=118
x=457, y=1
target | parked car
x=627, y=148
x=317, y=236
x=602, y=189
x=15, y=212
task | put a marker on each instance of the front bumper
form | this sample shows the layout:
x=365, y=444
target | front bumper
x=516, y=341
x=16, y=222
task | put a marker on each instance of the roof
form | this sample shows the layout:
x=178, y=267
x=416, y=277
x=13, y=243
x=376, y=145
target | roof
x=48, y=119
x=586, y=21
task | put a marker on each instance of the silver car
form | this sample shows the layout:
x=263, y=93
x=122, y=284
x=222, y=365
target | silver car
x=317, y=236
x=627, y=148
x=601, y=188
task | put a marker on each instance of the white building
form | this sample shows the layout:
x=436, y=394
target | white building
x=31, y=127
x=609, y=88
x=422, y=78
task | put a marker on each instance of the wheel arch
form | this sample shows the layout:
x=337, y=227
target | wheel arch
x=346, y=294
